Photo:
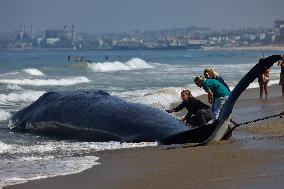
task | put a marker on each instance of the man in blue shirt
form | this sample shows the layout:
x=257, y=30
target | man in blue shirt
x=217, y=93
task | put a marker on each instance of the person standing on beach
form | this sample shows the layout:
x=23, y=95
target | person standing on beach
x=198, y=113
x=217, y=93
x=263, y=80
x=281, y=63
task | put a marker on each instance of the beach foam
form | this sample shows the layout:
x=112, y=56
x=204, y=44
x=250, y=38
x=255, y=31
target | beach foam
x=133, y=64
x=33, y=72
x=50, y=82
x=49, y=159
x=32, y=168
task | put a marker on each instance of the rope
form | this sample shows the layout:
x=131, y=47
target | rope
x=260, y=119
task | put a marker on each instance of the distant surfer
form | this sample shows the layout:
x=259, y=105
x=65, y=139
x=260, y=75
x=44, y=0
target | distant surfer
x=68, y=58
x=217, y=93
x=198, y=113
x=106, y=57
x=81, y=59
x=77, y=59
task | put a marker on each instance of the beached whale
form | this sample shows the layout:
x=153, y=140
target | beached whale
x=98, y=116
x=95, y=116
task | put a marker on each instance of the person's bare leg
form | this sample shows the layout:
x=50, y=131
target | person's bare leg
x=260, y=90
x=266, y=90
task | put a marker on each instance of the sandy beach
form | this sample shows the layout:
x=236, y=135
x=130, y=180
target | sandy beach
x=252, y=158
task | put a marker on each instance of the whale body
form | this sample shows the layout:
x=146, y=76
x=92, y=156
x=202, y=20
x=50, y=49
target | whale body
x=98, y=116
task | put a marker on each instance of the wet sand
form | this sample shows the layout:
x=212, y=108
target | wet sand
x=252, y=158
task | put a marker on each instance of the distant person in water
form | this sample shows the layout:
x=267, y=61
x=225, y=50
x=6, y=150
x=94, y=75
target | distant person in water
x=68, y=58
x=263, y=80
x=106, y=57
x=281, y=63
x=77, y=59
x=217, y=93
x=198, y=113
x=81, y=59
x=212, y=74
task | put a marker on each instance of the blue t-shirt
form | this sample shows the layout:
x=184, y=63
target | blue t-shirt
x=223, y=82
x=216, y=87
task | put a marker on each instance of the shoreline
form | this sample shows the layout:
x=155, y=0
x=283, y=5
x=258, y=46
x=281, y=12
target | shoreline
x=252, y=158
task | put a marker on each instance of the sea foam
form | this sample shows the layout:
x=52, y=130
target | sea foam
x=49, y=82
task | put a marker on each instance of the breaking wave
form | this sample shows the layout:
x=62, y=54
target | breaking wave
x=160, y=98
x=14, y=98
x=4, y=115
x=133, y=64
x=33, y=72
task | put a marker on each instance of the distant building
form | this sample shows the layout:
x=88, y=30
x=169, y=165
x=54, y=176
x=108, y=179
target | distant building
x=278, y=23
x=53, y=36
x=60, y=38
x=25, y=36
x=279, y=30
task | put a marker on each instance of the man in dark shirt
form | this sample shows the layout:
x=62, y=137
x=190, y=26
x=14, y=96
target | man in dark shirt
x=198, y=113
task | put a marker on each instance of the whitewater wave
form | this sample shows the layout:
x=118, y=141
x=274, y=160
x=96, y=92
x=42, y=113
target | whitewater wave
x=133, y=64
x=4, y=147
x=160, y=98
x=43, y=82
x=256, y=85
x=24, y=96
x=14, y=87
x=4, y=115
x=33, y=72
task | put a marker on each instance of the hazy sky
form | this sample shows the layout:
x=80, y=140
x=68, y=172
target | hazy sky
x=127, y=15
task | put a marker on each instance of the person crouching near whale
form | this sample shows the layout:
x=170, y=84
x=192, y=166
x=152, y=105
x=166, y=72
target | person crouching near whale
x=198, y=113
x=217, y=93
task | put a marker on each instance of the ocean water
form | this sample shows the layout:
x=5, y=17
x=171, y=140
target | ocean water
x=155, y=78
